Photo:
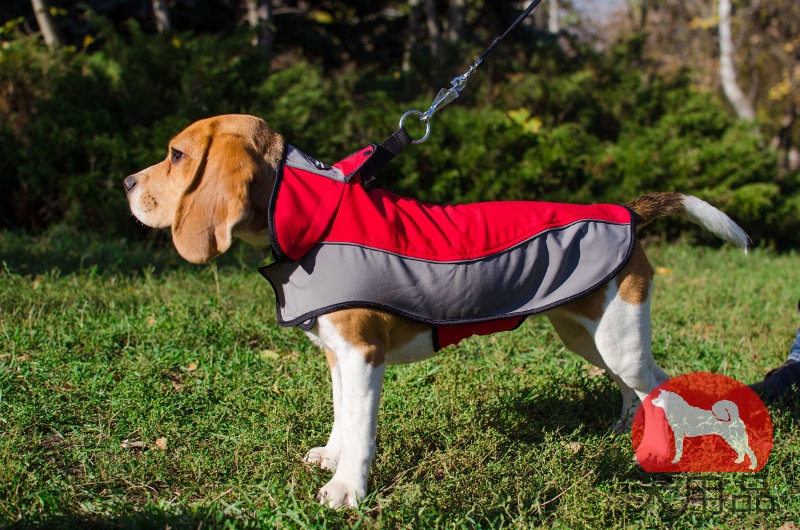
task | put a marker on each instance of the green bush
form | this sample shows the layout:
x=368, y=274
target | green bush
x=585, y=127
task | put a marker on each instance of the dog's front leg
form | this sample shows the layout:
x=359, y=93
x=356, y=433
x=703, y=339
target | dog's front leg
x=328, y=457
x=355, y=425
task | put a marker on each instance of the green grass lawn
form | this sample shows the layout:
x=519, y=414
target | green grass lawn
x=138, y=392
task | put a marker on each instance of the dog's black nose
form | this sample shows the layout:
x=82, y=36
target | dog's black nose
x=129, y=183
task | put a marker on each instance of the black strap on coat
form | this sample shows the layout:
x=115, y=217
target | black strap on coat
x=384, y=153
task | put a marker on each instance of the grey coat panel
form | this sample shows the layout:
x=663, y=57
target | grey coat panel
x=550, y=269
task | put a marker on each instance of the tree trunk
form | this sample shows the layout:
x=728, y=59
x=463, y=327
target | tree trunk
x=740, y=103
x=41, y=9
x=552, y=17
x=456, y=14
x=411, y=35
x=434, y=32
x=259, y=17
x=161, y=14
x=637, y=14
x=783, y=142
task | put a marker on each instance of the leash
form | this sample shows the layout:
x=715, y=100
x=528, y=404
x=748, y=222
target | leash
x=400, y=139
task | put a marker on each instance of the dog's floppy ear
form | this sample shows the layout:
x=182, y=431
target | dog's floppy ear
x=231, y=165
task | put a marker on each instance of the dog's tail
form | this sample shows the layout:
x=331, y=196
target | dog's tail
x=655, y=205
x=725, y=410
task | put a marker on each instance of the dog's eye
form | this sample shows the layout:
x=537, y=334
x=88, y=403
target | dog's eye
x=175, y=155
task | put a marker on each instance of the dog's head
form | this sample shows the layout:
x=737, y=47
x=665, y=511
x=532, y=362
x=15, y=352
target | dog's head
x=214, y=185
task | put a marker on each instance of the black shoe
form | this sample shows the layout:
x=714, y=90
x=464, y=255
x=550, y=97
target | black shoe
x=779, y=383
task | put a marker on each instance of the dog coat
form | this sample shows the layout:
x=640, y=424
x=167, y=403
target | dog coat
x=468, y=269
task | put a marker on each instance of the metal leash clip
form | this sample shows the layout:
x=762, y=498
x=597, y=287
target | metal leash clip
x=443, y=98
x=446, y=96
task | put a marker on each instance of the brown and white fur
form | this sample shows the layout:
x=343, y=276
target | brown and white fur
x=214, y=186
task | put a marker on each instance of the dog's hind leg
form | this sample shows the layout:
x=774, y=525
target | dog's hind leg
x=623, y=334
x=577, y=334
x=611, y=329
x=623, y=339
x=573, y=332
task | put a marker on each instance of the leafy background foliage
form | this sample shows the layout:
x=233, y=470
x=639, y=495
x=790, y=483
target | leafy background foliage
x=553, y=120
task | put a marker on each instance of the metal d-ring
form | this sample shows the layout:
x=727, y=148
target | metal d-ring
x=421, y=118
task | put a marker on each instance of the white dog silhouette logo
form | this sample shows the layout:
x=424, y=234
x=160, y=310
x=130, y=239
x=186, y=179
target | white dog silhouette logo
x=702, y=422
x=687, y=421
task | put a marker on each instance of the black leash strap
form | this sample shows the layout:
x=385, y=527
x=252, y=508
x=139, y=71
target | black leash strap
x=499, y=39
x=384, y=153
x=458, y=83
x=400, y=139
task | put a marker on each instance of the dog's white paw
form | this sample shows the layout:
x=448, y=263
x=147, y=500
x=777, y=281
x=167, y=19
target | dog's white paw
x=326, y=458
x=341, y=494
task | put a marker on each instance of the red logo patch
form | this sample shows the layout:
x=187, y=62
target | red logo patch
x=702, y=422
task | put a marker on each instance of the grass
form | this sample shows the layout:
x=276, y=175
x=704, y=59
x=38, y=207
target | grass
x=138, y=392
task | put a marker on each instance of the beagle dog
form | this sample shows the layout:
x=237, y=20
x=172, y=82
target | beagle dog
x=215, y=185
